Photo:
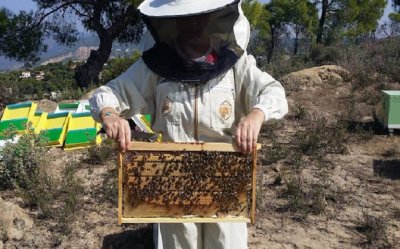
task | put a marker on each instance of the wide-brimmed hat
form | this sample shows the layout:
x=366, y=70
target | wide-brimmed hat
x=170, y=8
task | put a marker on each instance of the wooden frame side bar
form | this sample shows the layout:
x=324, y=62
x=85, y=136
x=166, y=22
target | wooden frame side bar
x=120, y=188
x=253, y=188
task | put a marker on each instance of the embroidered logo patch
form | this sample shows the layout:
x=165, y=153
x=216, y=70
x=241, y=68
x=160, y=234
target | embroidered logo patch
x=166, y=106
x=225, y=110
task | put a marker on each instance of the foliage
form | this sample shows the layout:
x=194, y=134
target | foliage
x=392, y=151
x=303, y=200
x=18, y=42
x=255, y=13
x=370, y=61
x=321, y=138
x=110, y=20
x=117, y=66
x=20, y=162
x=303, y=19
x=100, y=154
x=258, y=18
x=321, y=54
x=275, y=153
x=58, y=78
x=374, y=229
x=39, y=192
x=361, y=17
x=55, y=197
x=347, y=18
x=69, y=193
x=278, y=17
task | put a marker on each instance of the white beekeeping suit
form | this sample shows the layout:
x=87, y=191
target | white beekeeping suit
x=196, y=99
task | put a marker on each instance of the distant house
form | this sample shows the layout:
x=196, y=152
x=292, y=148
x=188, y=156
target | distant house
x=55, y=94
x=40, y=75
x=25, y=75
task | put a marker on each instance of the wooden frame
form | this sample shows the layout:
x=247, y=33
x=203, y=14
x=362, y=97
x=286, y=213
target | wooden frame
x=205, y=209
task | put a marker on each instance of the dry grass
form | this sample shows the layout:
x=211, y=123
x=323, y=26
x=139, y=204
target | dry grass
x=3, y=232
x=374, y=230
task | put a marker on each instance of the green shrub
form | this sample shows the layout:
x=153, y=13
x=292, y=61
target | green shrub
x=321, y=54
x=299, y=112
x=296, y=197
x=277, y=152
x=319, y=138
x=39, y=192
x=374, y=230
x=55, y=197
x=20, y=162
x=109, y=189
x=70, y=192
x=100, y=154
x=392, y=151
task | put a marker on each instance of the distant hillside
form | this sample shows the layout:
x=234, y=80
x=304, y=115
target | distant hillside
x=78, y=52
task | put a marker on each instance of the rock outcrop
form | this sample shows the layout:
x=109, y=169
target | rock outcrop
x=315, y=77
x=14, y=221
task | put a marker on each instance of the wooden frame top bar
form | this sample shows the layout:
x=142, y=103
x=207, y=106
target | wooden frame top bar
x=146, y=146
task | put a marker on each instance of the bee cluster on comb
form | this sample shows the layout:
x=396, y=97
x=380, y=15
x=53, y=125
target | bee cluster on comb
x=187, y=183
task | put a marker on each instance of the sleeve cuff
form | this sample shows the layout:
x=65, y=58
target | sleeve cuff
x=264, y=110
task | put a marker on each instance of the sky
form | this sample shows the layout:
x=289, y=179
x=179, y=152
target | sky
x=17, y=5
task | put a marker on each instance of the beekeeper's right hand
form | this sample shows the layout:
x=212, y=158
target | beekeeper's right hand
x=116, y=127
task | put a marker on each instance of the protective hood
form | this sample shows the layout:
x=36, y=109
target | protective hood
x=173, y=8
x=226, y=30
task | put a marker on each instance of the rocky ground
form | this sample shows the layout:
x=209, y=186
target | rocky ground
x=341, y=194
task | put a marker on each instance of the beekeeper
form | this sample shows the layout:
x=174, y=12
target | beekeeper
x=199, y=84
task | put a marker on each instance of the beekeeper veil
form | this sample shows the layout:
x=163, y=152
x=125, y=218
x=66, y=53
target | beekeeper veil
x=204, y=27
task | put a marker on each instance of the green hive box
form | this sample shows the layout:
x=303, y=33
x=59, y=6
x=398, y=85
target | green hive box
x=391, y=109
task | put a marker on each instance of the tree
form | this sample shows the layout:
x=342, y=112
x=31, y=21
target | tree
x=278, y=17
x=327, y=9
x=347, y=17
x=361, y=17
x=395, y=16
x=253, y=10
x=15, y=41
x=391, y=28
x=258, y=18
x=111, y=20
x=303, y=18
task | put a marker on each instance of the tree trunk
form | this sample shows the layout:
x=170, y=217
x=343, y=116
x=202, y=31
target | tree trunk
x=324, y=10
x=272, y=44
x=296, y=40
x=88, y=73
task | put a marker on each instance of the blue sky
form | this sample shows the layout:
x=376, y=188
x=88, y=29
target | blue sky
x=17, y=5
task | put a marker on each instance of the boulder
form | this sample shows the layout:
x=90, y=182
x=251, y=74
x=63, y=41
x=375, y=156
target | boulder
x=14, y=221
x=315, y=77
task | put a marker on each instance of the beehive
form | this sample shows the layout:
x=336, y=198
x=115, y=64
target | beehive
x=170, y=182
x=391, y=107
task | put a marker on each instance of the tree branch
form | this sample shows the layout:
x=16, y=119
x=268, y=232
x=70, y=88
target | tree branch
x=123, y=21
